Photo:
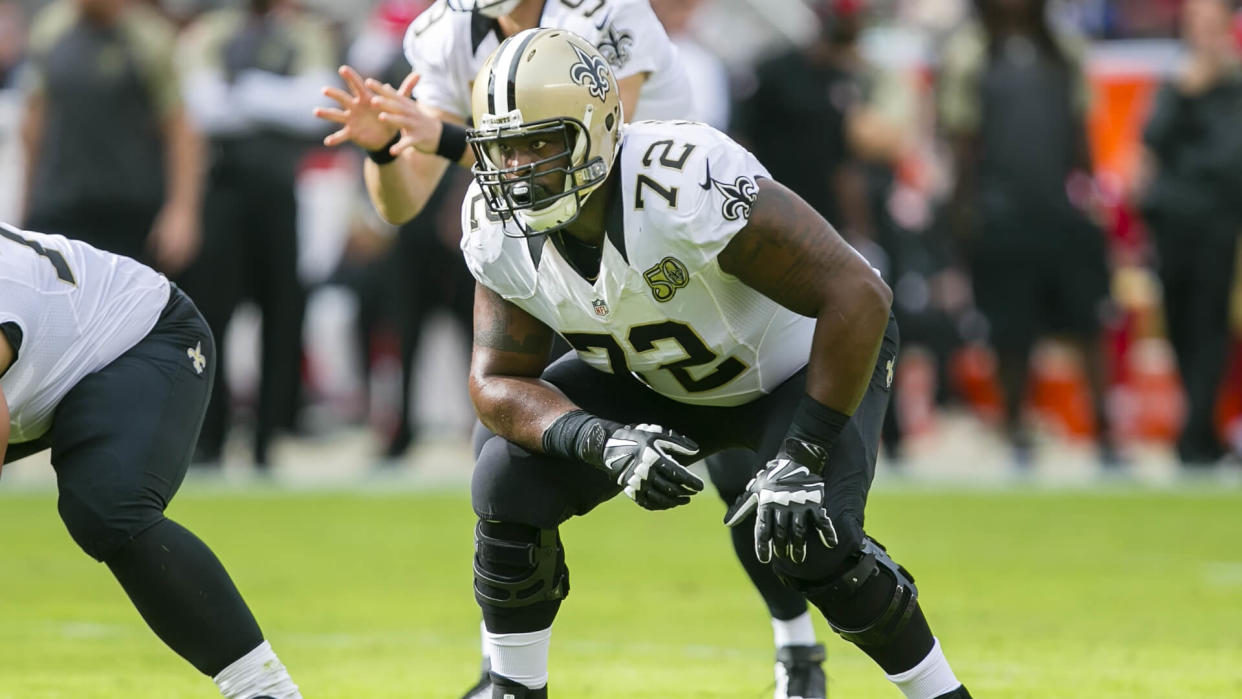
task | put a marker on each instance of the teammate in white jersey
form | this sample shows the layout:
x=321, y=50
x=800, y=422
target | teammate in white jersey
x=412, y=144
x=110, y=366
x=709, y=308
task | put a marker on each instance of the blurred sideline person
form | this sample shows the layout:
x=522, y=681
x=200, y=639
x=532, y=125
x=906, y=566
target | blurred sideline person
x=12, y=61
x=107, y=364
x=1013, y=101
x=110, y=156
x=446, y=46
x=710, y=92
x=855, y=118
x=1193, y=210
x=252, y=77
x=693, y=288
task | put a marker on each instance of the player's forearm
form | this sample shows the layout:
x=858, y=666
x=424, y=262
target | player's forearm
x=520, y=409
x=184, y=163
x=846, y=343
x=32, y=139
x=400, y=189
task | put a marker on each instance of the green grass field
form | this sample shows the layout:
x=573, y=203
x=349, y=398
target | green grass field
x=1053, y=594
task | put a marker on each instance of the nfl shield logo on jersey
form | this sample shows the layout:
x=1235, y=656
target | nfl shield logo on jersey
x=601, y=308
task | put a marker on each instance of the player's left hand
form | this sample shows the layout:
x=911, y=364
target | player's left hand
x=787, y=497
x=643, y=460
x=420, y=127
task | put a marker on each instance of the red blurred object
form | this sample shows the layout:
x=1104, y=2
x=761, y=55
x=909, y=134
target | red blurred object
x=840, y=8
x=1229, y=403
x=395, y=15
x=915, y=403
x=1154, y=406
x=845, y=8
x=972, y=370
x=1058, y=393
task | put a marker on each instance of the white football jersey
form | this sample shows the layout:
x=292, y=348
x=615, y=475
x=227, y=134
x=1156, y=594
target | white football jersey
x=661, y=308
x=448, y=48
x=78, y=308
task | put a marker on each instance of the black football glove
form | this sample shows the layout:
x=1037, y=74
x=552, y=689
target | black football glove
x=642, y=459
x=787, y=497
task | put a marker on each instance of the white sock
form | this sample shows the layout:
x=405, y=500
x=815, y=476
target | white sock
x=929, y=679
x=521, y=657
x=483, y=640
x=797, y=631
x=257, y=673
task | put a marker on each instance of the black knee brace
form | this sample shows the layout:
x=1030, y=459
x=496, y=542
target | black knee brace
x=517, y=565
x=870, y=571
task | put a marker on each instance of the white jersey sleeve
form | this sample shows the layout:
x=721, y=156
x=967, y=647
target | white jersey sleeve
x=633, y=41
x=436, y=44
x=692, y=183
x=78, y=308
x=496, y=260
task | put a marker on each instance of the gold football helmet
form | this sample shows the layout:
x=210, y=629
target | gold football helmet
x=552, y=88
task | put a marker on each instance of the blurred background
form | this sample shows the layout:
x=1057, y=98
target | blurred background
x=1053, y=189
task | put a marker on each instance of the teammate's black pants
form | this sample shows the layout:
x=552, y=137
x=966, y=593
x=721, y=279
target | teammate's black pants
x=517, y=494
x=121, y=442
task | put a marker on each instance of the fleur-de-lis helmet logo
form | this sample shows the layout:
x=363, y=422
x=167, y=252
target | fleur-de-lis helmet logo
x=590, y=72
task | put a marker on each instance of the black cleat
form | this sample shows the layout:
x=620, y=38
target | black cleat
x=959, y=693
x=483, y=688
x=800, y=672
x=504, y=688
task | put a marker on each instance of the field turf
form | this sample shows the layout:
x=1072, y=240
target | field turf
x=367, y=595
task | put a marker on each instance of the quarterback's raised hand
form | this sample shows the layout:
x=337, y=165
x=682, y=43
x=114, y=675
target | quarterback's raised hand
x=643, y=459
x=787, y=497
x=358, y=118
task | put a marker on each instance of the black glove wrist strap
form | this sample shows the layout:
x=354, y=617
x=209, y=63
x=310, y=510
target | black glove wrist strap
x=816, y=426
x=578, y=436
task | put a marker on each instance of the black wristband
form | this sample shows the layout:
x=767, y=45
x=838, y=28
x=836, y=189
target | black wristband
x=384, y=155
x=578, y=436
x=817, y=424
x=452, y=141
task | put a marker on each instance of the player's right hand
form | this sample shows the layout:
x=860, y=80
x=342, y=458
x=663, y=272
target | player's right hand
x=358, y=117
x=642, y=459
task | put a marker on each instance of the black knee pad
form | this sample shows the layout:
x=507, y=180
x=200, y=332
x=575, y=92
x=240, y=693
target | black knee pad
x=516, y=565
x=873, y=579
x=101, y=528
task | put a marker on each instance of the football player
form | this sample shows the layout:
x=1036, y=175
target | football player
x=708, y=308
x=106, y=363
x=446, y=45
